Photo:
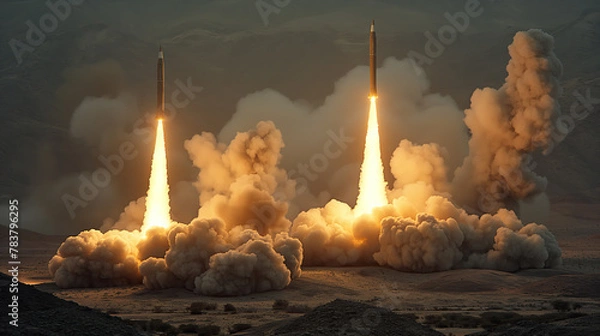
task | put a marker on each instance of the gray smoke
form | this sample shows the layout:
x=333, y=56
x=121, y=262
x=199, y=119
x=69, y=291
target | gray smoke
x=406, y=108
x=242, y=242
x=238, y=244
x=508, y=123
x=423, y=229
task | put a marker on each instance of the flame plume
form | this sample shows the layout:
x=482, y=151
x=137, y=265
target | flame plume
x=372, y=184
x=157, y=201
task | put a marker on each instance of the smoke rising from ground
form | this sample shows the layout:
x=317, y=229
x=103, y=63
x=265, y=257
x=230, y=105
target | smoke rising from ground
x=423, y=229
x=510, y=122
x=236, y=246
x=406, y=107
x=242, y=242
x=96, y=259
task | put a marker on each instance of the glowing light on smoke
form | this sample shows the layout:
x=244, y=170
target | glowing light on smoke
x=157, y=201
x=372, y=185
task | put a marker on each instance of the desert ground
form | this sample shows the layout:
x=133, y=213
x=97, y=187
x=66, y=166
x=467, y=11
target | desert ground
x=471, y=292
x=302, y=52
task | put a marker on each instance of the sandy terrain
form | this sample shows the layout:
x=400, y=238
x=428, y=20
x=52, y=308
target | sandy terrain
x=470, y=291
x=226, y=48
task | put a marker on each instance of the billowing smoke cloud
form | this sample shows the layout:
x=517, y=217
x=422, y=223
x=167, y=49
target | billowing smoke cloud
x=96, y=259
x=241, y=183
x=259, y=264
x=443, y=237
x=412, y=164
x=241, y=241
x=406, y=108
x=423, y=229
x=238, y=244
x=130, y=219
x=327, y=236
x=508, y=123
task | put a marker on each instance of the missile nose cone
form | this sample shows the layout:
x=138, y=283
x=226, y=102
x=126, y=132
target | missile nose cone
x=373, y=25
x=160, y=52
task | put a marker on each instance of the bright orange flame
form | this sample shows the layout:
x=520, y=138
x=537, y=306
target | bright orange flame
x=372, y=184
x=157, y=201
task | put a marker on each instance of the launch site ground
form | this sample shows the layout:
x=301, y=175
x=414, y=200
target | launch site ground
x=470, y=292
x=271, y=160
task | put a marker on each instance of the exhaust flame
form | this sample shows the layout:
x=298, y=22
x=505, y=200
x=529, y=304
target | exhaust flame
x=372, y=184
x=157, y=202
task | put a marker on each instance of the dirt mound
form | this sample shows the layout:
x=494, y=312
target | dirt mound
x=341, y=317
x=44, y=314
x=586, y=285
x=581, y=326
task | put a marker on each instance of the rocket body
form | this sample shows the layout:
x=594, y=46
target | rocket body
x=160, y=85
x=373, y=60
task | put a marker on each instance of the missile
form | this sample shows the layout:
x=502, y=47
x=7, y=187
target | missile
x=373, y=59
x=160, y=85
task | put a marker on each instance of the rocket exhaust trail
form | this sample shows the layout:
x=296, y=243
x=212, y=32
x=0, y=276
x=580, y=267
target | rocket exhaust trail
x=372, y=186
x=373, y=60
x=157, y=200
x=160, y=85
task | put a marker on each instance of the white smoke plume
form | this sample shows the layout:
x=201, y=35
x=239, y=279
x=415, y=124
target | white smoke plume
x=327, y=236
x=508, y=123
x=259, y=264
x=96, y=259
x=412, y=164
x=423, y=229
x=130, y=219
x=444, y=237
x=406, y=107
x=241, y=241
x=238, y=244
